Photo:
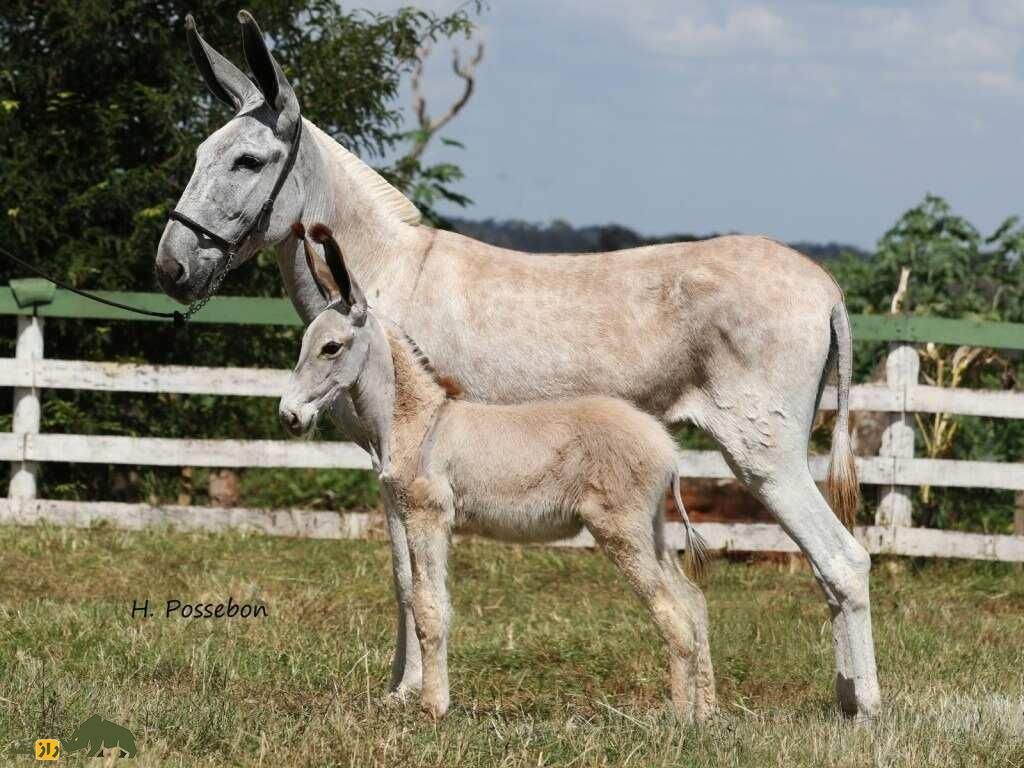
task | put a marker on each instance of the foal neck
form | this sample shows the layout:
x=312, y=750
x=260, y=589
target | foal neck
x=416, y=389
x=418, y=397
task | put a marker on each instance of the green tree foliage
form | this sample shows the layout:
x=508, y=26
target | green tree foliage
x=955, y=271
x=101, y=110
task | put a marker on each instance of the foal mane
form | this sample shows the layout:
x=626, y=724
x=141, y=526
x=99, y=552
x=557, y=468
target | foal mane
x=450, y=386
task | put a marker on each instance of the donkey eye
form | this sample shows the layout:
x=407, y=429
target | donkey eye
x=330, y=348
x=248, y=162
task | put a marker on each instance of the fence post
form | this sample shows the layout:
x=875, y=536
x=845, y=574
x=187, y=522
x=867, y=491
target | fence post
x=895, y=503
x=27, y=410
x=1018, y=520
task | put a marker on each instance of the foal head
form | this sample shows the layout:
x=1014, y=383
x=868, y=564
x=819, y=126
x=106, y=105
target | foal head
x=335, y=346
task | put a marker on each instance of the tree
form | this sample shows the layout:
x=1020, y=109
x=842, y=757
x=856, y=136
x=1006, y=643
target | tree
x=101, y=110
x=429, y=184
x=954, y=271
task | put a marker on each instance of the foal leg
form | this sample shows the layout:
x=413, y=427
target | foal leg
x=690, y=593
x=406, y=665
x=628, y=538
x=429, y=526
x=707, y=699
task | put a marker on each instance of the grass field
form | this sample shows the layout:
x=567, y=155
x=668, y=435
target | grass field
x=553, y=661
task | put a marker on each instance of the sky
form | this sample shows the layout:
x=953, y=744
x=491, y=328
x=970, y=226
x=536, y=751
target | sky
x=819, y=121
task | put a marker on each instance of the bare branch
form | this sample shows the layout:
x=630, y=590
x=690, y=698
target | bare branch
x=429, y=126
x=419, y=104
x=901, y=292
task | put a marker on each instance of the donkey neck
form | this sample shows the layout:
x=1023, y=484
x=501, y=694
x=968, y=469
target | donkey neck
x=368, y=217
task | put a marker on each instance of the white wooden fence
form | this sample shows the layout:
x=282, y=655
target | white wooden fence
x=896, y=471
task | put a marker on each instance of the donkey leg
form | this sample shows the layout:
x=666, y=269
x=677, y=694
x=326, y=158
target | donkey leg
x=406, y=665
x=628, y=539
x=840, y=565
x=428, y=532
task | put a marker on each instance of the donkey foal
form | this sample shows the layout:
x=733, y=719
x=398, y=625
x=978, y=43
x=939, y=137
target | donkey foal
x=534, y=472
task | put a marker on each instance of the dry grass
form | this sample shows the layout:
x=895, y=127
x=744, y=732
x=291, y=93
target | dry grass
x=553, y=661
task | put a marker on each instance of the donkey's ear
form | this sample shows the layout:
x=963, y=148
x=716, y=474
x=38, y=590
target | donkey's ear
x=351, y=293
x=271, y=80
x=226, y=81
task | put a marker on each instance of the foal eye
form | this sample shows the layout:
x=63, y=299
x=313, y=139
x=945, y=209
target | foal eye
x=249, y=162
x=330, y=348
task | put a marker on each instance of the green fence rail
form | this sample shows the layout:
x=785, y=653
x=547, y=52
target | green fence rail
x=239, y=310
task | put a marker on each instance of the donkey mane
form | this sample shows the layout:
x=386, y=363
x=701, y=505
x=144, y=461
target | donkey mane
x=367, y=178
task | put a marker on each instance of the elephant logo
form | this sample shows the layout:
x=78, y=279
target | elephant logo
x=97, y=735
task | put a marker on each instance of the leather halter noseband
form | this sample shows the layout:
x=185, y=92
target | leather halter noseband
x=262, y=220
x=230, y=247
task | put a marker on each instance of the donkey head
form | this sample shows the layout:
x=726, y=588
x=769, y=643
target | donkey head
x=236, y=167
x=336, y=345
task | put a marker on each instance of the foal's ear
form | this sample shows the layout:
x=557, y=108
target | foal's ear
x=351, y=293
x=317, y=269
x=226, y=81
x=269, y=76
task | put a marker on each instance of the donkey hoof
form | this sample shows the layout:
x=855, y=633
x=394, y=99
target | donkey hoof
x=401, y=695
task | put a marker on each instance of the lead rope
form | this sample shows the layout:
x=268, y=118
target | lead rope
x=230, y=248
x=178, y=318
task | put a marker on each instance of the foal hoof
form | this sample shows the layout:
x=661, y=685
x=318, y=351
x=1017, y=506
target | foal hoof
x=436, y=710
x=703, y=712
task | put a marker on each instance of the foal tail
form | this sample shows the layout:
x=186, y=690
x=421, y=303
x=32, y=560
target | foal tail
x=695, y=559
x=843, y=486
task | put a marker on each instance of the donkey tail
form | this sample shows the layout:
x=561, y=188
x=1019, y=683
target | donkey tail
x=843, y=486
x=695, y=559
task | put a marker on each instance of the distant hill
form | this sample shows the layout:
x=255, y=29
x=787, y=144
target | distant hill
x=561, y=237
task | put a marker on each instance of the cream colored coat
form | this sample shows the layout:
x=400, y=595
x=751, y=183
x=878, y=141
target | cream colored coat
x=735, y=334
x=537, y=472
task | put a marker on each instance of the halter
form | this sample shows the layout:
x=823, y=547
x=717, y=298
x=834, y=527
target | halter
x=259, y=224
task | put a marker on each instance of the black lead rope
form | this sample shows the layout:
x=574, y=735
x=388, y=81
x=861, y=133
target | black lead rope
x=230, y=247
x=177, y=317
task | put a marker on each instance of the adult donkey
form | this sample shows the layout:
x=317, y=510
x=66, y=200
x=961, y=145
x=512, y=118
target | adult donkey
x=734, y=334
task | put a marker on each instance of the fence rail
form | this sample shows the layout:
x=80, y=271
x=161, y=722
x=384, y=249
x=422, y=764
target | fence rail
x=21, y=299
x=896, y=471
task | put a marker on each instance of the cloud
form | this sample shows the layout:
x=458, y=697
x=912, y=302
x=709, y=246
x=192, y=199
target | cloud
x=828, y=47
x=1000, y=81
x=1004, y=13
x=744, y=29
x=943, y=37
